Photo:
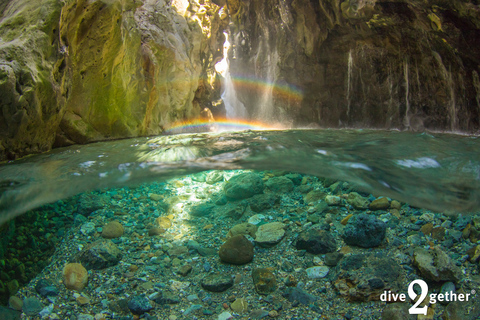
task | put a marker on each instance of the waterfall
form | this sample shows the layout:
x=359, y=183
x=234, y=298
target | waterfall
x=234, y=107
x=349, y=80
x=406, y=120
x=447, y=76
x=266, y=109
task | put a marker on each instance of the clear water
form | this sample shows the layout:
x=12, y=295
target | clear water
x=434, y=171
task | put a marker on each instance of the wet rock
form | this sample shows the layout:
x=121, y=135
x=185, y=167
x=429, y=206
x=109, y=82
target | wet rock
x=270, y=234
x=317, y=272
x=46, y=288
x=113, y=229
x=75, y=276
x=364, y=277
x=14, y=303
x=240, y=305
x=236, y=250
x=184, y=270
x=163, y=222
x=295, y=177
x=9, y=314
x=155, y=231
x=165, y=297
x=243, y=186
x=256, y=219
x=225, y=316
x=365, y=231
x=243, y=228
x=279, y=184
x=474, y=254
x=139, y=305
x=217, y=282
x=447, y=288
x=297, y=294
x=260, y=202
x=333, y=200
x=332, y=259
x=316, y=240
x=88, y=203
x=258, y=314
x=314, y=196
x=397, y=311
x=436, y=265
x=202, y=210
x=32, y=306
x=214, y=177
x=264, y=280
x=234, y=210
x=205, y=252
x=99, y=255
x=379, y=204
x=357, y=201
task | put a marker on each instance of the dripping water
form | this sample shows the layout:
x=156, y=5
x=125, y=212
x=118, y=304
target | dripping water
x=406, y=120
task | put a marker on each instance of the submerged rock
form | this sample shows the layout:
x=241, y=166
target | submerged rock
x=139, y=305
x=260, y=202
x=243, y=228
x=436, y=265
x=236, y=250
x=100, y=254
x=217, y=282
x=32, y=306
x=316, y=240
x=113, y=229
x=264, y=280
x=279, y=184
x=270, y=234
x=75, y=276
x=300, y=295
x=365, y=231
x=243, y=186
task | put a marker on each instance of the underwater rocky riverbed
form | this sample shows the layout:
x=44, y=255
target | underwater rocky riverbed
x=237, y=244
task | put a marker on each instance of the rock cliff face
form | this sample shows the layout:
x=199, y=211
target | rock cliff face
x=78, y=71
x=360, y=63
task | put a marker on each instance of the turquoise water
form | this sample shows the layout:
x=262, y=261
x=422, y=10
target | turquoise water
x=436, y=171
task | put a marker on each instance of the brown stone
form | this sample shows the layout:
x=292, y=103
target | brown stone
x=345, y=220
x=163, y=222
x=379, y=204
x=395, y=205
x=427, y=228
x=264, y=280
x=155, y=231
x=438, y=233
x=236, y=250
x=240, y=305
x=82, y=300
x=185, y=270
x=243, y=228
x=113, y=229
x=75, y=276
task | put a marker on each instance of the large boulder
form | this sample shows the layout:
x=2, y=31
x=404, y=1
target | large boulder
x=243, y=186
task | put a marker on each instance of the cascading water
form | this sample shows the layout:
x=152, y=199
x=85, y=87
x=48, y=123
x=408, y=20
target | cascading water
x=234, y=107
x=406, y=120
x=349, y=80
x=266, y=110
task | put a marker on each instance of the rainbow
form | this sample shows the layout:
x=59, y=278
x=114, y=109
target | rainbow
x=220, y=125
x=281, y=90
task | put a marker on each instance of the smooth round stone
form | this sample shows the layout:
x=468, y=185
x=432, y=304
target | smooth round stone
x=113, y=229
x=236, y=250
x=75, y=276
x=317, y=272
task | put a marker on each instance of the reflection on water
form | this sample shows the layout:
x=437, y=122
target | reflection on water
x=435, y=171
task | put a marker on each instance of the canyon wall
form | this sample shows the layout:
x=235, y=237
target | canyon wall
x=78, y=71
x=360, y=63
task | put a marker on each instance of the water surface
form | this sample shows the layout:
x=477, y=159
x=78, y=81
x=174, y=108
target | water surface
x=436, y=171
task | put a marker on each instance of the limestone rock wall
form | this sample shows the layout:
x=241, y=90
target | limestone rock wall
x=30, y=101
x=78, y=71
x=360, y=63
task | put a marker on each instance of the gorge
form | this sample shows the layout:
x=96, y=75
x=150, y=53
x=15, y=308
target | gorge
x=79, y=71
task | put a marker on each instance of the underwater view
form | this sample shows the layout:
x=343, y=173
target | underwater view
x=226, y=159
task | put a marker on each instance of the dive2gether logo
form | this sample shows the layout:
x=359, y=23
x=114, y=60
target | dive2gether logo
x=433, y=297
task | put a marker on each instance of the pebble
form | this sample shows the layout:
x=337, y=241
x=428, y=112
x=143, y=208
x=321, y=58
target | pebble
x=240, y=305
x=45, y=288
x=100, y=254
x=32, y=306
x=270, y=234
x=236, y=250
x=139, y=305
x=225, y=316
x=217, y=282
x=380, y=204
x=256, y=219
x=365, y=231
x=75, y=276
x=317, y=272
x=113, y=229
x=264, y=280
x=316, y=241
x=243, y=229
x=333, y=200
x=297, y=294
